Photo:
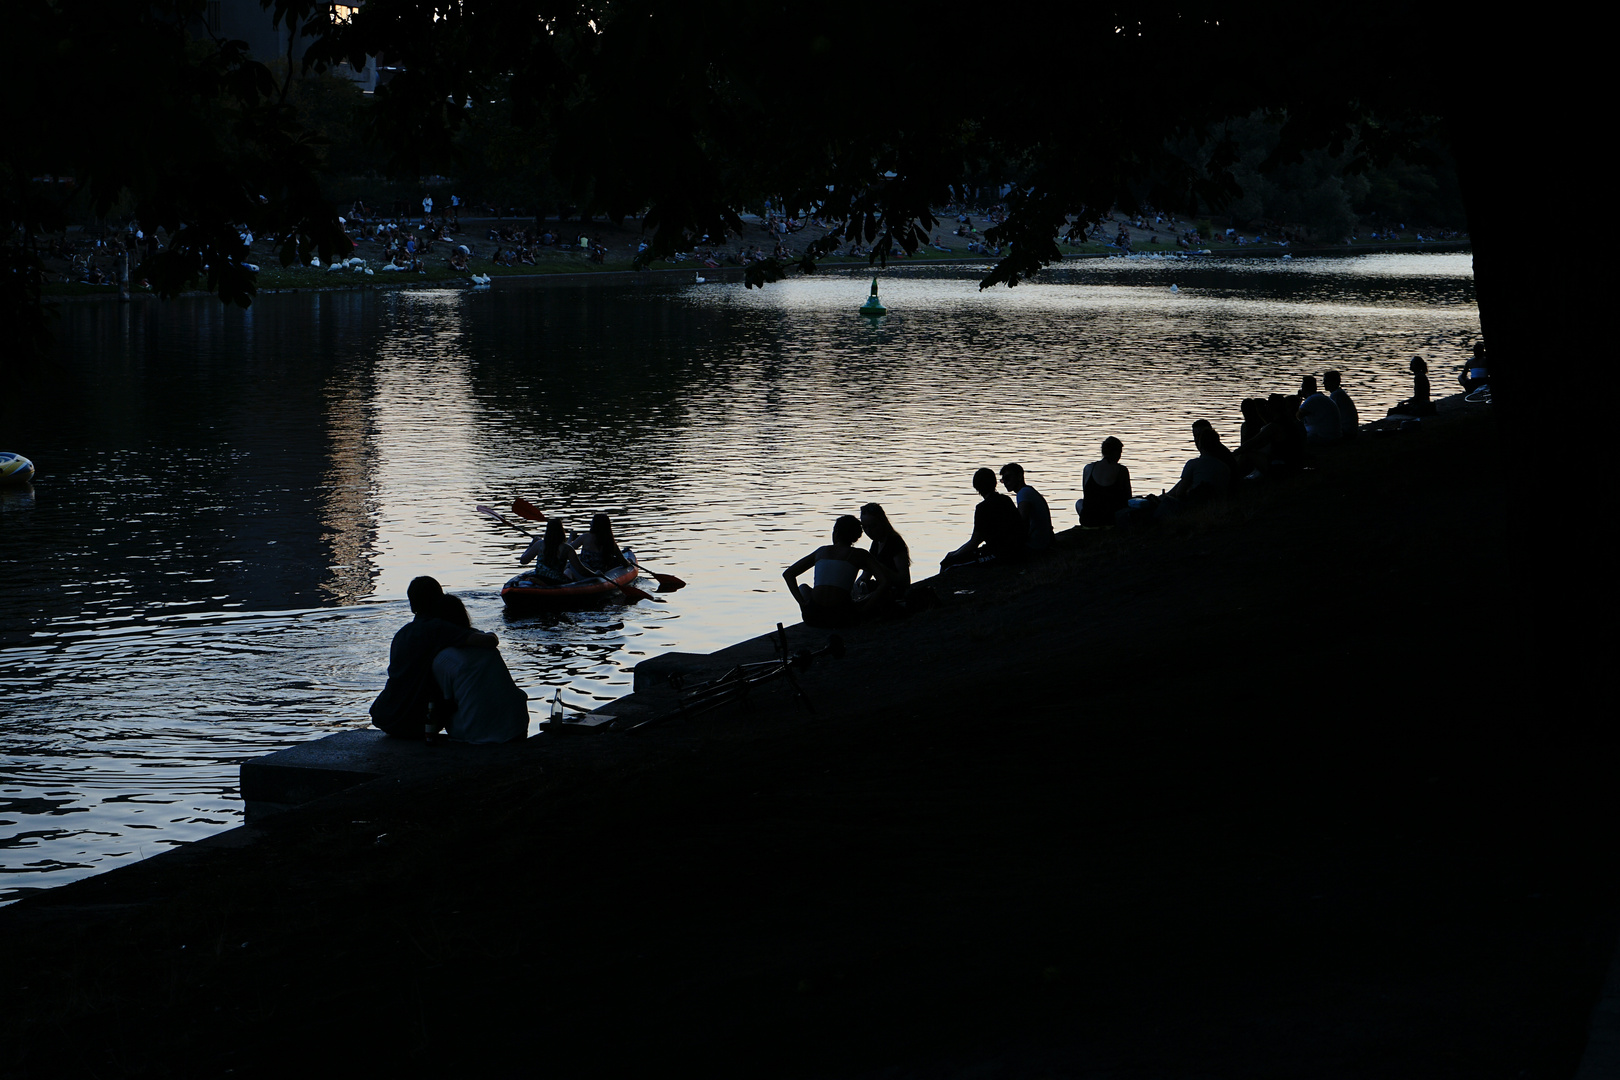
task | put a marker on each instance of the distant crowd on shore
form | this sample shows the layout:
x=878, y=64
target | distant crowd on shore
x=1277, y=436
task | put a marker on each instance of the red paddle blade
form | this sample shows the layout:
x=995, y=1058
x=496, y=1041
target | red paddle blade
x=525, y=509
x=636, y=594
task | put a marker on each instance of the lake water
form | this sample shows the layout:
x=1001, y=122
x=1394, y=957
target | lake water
x=213, y=558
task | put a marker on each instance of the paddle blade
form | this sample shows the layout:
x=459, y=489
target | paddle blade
x=523, y=508
x=636, y=594
x=666, y=582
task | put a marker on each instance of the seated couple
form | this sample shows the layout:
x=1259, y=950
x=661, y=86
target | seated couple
x=1328, y=414
x=850, y=583
x=444, y=675
x=559, y=560
x=1002, y=528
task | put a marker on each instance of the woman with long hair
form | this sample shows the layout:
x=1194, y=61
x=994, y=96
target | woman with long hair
x=482, y=703
x=888, y=548
x=550, y=552
x=598, y=551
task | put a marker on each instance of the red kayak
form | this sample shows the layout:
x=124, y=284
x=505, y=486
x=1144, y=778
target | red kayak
x=530, y=590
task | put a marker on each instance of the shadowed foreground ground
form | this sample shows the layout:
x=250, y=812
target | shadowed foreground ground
x=1219, y=801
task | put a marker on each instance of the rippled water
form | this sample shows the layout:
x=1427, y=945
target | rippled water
x=230, y=503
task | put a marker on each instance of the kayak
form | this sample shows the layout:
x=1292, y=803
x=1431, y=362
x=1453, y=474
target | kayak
x=527, y=590
x=15, y=469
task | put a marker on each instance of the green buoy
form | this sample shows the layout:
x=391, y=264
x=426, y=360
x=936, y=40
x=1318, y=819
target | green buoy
x=873, y=306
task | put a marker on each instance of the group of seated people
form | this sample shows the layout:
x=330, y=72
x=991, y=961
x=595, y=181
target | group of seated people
x=851, y=584
x=1277, y=431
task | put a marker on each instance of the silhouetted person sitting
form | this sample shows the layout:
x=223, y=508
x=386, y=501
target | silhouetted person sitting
x=1254, y=421
x=831, y=600
x=1205, y=478
x=402, y=707
x=888, y=548
x=483, y=704
x=1280, y=445
x=1418, y=404
x=550, y=551
x=1475, y=373
x=1349, y=419
x=1105, y=487
x=999, y=531
x=1031, y=507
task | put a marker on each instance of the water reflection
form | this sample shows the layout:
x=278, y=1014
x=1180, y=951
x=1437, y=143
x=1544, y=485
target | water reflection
x=230, y=503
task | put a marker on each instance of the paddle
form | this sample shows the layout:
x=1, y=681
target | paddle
x=628, y=590
x=482, y=509
x=525, y=509
x=666, y=582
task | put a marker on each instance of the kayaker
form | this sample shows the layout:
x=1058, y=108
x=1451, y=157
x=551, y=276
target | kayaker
x=484, y=705
x=597, y=551
x=402, y=708
x=550, y=552
x=831, y=600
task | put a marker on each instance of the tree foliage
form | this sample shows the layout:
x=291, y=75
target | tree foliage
x=121, y=106
x=863, y=114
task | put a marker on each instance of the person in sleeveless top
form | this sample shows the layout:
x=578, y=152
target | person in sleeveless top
x=1105, y=487
x=831, y=599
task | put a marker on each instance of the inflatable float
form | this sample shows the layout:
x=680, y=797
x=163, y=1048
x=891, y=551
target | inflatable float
x=530, y=591
x=15, y=469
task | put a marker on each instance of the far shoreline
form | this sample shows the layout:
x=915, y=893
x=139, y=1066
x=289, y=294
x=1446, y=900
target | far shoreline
x=730, y=274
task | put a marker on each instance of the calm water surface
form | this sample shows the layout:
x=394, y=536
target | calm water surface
x=230, y=503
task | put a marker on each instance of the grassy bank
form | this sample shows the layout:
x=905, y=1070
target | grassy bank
x=1223, y=799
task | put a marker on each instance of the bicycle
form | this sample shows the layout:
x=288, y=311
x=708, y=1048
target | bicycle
x=736, y=683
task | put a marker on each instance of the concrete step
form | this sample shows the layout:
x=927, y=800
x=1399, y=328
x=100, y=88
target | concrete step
x=311, y=770
x=303, y=773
